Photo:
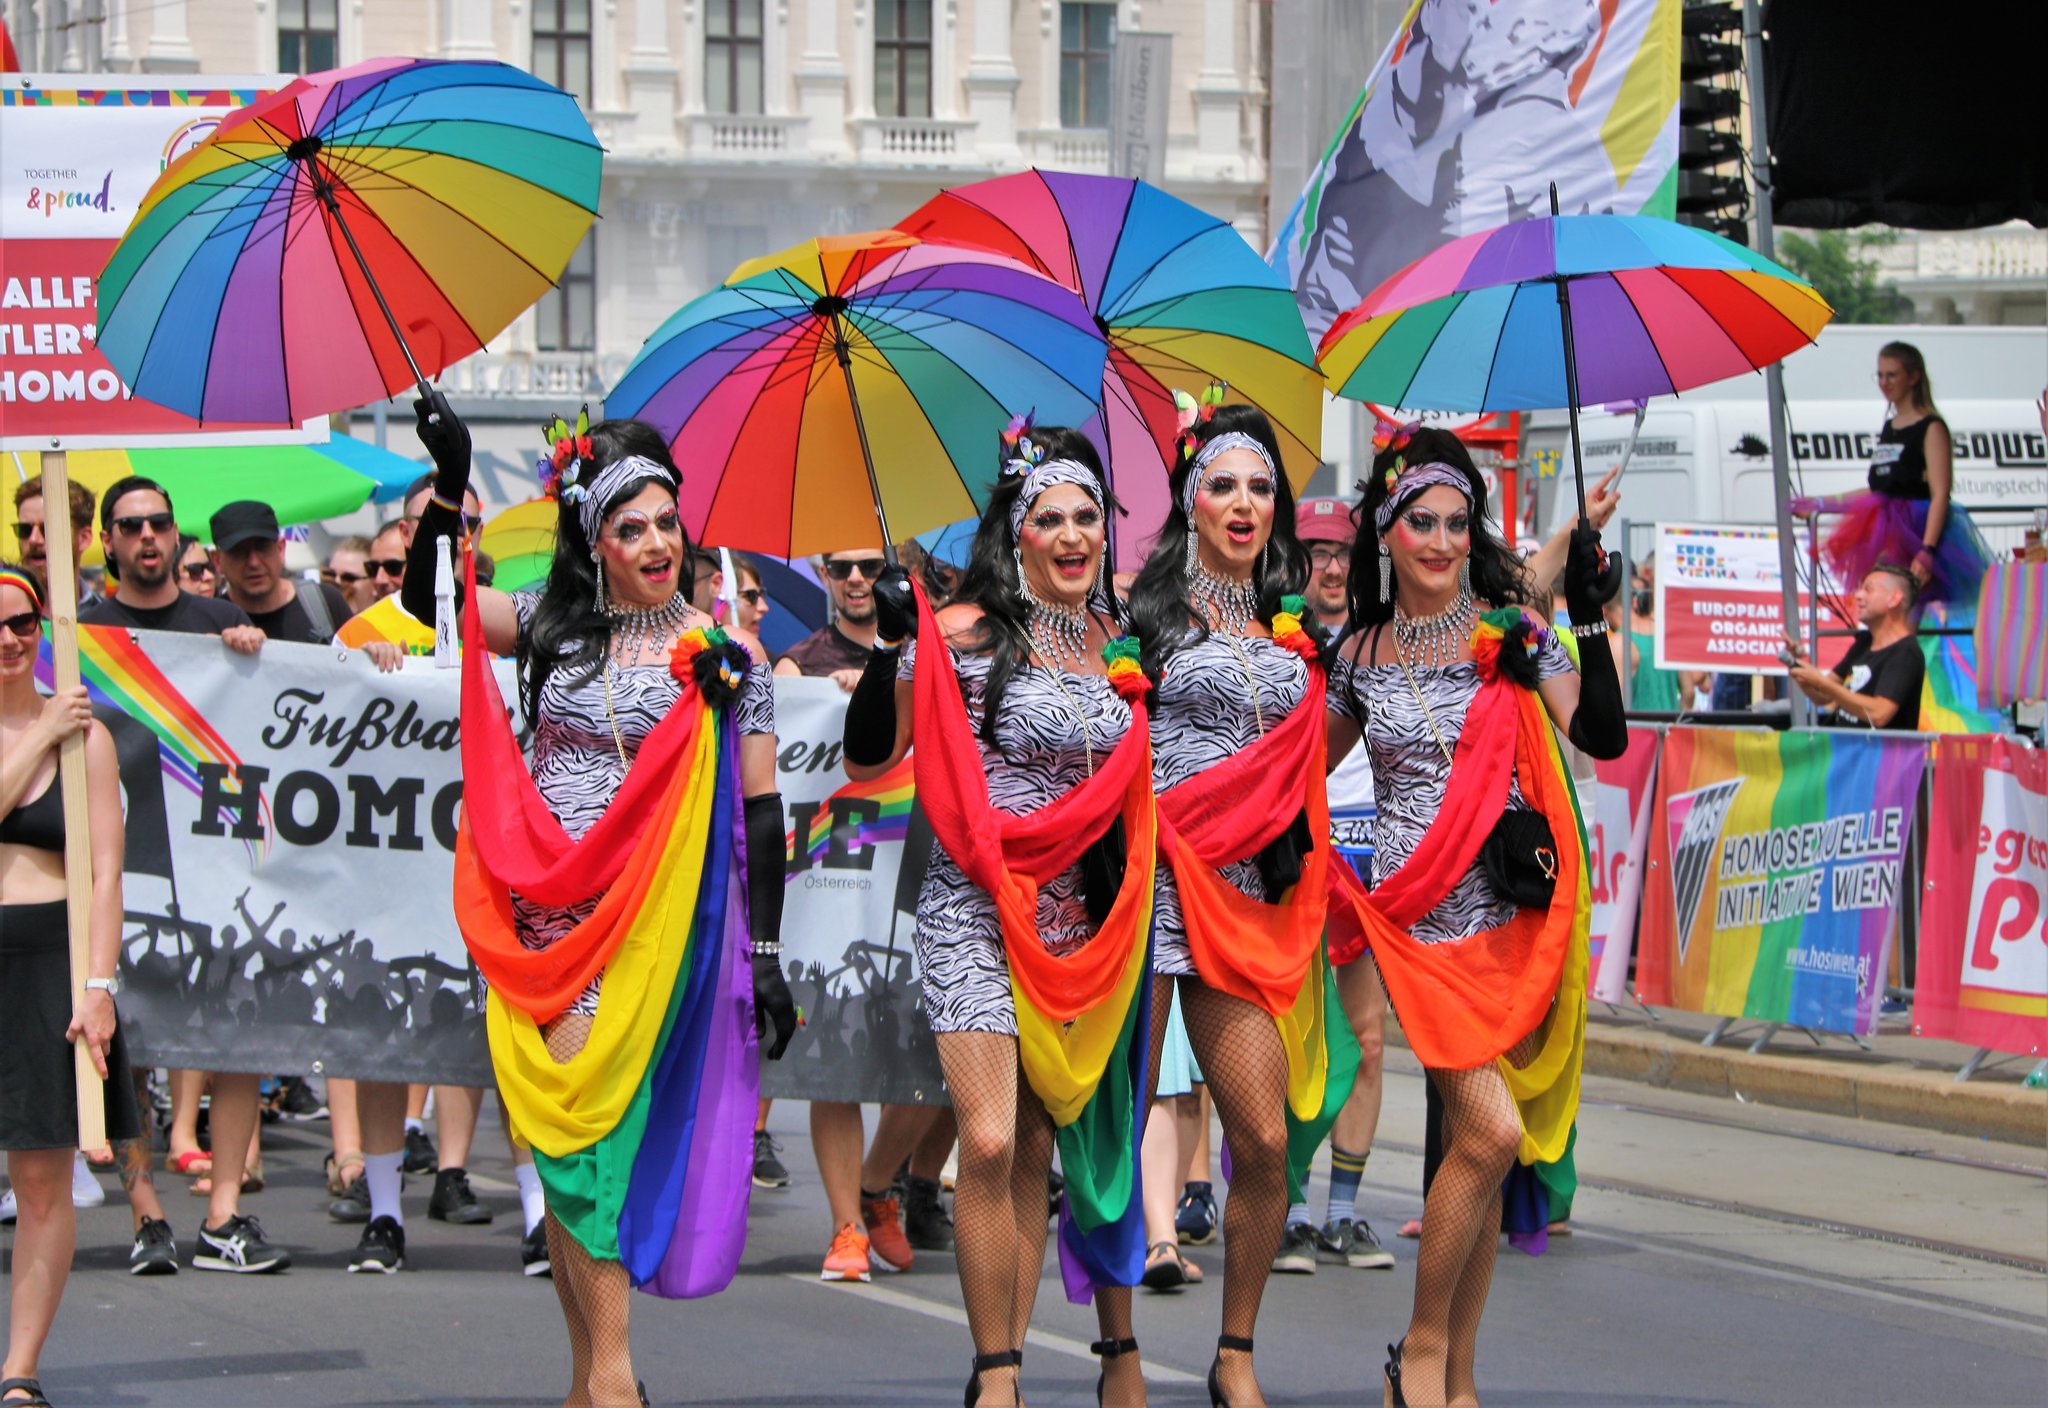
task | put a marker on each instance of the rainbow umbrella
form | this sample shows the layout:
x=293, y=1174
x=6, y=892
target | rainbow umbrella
x=1654, y=307
x=1181, y=298
x=265, y=274
x=854, y=388
x=302, y=483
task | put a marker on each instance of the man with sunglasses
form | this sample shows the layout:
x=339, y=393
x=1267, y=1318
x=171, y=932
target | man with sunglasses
x=31, y=544
x=139, y=534
x=248, y=552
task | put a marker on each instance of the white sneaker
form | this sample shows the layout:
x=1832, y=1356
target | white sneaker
x=85, y=1189
x=7, y=1212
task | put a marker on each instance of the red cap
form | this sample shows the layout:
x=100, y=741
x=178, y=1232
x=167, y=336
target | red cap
x=1324, y=521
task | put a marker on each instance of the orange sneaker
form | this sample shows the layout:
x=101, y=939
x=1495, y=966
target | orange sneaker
x=887, y=1246
x=848, y=1258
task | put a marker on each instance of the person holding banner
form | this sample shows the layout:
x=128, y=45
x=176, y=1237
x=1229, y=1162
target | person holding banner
x=1025, y=706
x=1478, y=917
x=602, y=894
x=38, y=1074
x=1237, y=739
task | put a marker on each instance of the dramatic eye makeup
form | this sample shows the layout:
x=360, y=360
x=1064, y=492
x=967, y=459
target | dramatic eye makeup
x=1422, y=523
x=1050, y=520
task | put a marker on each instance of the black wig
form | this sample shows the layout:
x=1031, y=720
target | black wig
x=1497, y=576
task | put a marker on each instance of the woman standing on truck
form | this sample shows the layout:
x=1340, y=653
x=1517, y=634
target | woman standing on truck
x=1908, y=516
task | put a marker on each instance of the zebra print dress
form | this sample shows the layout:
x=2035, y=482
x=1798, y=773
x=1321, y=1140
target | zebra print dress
x=1203, y=716
x=575, y=760
x=1409, y=772
x=1043, y=755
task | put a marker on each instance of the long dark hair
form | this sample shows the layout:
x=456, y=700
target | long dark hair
x=1497, y=577
x=990, y=578
x=1160, y=612
x=568, y=631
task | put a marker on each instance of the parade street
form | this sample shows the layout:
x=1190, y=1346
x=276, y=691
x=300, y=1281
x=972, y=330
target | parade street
x=1713, y=1262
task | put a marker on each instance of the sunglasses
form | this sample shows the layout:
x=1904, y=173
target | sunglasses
x=752, y=595
x=345, y=579
x=868, y=567
x=26, y=626
x=385, y=566
x=25, y=531
x=197, y=571
x=128, y=527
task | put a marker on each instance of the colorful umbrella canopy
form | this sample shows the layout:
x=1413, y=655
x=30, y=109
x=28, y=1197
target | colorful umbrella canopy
x=1181, y=298
x=1657, y=307
x=303, y=483
x=267, y=272
x=852, y=375
x=952, y=543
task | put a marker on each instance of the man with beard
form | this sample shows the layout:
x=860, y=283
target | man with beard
x=870, y=1222
x=248, y=552
x=139, y=534
x=30, y=530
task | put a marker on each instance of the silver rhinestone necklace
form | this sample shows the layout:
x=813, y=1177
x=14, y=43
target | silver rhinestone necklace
x=1438, y=639
x=1231, y=605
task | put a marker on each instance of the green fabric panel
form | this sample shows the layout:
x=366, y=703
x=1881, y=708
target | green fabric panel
x=1304, y=1137
x=1560, y=1180
x=1095, y=1150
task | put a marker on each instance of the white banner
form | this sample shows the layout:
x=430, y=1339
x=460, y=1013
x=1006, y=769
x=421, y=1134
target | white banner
x=1140, y=89
x=291, y=824
x=849, y=906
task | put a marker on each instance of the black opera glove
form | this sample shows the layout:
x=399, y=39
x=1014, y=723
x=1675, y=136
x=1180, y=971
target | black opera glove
x=774, y=1008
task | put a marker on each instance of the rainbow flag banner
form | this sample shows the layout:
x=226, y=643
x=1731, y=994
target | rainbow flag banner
x=1983, y=969
x=1778, y=863
x=854, y=854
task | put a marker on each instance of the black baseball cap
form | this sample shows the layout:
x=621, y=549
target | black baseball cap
x=243, y=521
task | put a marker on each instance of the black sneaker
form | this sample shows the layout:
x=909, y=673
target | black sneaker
x=454, y=1200
x=381, y=1249
x=154, y=1253
x=1297, y=1250
x=925, y=1220
x=1352, y=1243
x=419, y=1153
x=298, y=1102
x=533, y=1252
x=354, y=1203
x=1194, y=1220
x=769, y=1171
x=237, y=1245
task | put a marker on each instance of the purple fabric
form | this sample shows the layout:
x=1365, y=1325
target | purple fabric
x=1094, y=212
x=1613, y=347
x=246, y=382
x=1525, y=1210
x=711, y=1222
x=1523, y=250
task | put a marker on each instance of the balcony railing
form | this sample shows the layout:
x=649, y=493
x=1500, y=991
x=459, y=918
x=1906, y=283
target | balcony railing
x=915, y=141
x=510, y=376
x=1068, y=148
x=745, y=138
x=1977, y=256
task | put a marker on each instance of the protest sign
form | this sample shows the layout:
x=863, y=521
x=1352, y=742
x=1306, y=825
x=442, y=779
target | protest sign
x=1720, y=603
x=1616, y=807
x=855, y=856
x=77, y=156
x=1779, y=861
x=1983, y=969
x=291, y=827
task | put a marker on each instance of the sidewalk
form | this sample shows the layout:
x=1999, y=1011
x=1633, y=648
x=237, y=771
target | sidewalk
x=1901, y=1079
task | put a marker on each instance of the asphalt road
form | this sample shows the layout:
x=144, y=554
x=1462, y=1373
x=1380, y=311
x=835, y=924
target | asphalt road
x=1724, y=1255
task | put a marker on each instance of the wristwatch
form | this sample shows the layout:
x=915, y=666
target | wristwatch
x=110, y=986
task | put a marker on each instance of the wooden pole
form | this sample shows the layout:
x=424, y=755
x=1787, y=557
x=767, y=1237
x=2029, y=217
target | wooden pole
x=62, y=591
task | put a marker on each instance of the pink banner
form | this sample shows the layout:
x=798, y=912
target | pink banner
x=1617, y=812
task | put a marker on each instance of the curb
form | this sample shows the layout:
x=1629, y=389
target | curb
x=1893, y=1092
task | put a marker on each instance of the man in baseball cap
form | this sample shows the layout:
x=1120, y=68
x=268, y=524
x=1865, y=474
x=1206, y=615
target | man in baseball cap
x=1326, y=530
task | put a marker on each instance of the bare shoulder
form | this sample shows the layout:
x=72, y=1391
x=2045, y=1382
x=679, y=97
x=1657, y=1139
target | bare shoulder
x=961, y=623
x=1352, y=651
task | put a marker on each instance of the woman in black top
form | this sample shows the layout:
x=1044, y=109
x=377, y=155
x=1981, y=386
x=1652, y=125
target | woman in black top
x=38, y=1081
x=1907, y=516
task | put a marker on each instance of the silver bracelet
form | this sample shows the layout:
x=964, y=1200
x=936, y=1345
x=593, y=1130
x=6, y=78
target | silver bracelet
x=773, y=950
x=1588, y=632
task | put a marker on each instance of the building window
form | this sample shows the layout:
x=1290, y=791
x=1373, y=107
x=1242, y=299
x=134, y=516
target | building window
x=565, y=319
x=305, y=35
x=732, y=56
x=903, y=58
x=1086, y=32
x=561, y=46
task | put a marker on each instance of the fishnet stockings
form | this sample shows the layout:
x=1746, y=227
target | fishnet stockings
x=596, y=1295
x=1238, y=1046
x=1460, y=1233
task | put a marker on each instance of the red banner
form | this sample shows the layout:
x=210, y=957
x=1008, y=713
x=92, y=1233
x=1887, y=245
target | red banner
x=1983, y=969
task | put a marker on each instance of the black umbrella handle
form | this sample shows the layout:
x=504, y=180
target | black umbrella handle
x=1571, y=373
x=324, y=190
x=843, y=351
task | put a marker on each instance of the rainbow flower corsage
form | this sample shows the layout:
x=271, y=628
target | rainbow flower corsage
x=1126, y=676
x=713, y=660
x=1288, y=632
x=1509, y=639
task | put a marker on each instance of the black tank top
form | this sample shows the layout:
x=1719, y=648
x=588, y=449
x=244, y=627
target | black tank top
x=39, y=823
x=1899, y=468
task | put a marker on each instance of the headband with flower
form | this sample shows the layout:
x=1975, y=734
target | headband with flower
x=1192, y=412
x=562, y=466
x=1392, y=435
x=1025, y=456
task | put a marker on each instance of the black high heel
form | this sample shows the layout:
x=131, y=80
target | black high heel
x=1242, y=1345
x=1395, y=1398
x=1000, y=1359
x=1108, y=1350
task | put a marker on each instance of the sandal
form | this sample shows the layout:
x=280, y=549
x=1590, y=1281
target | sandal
x=30, y=1387
x=182, y=1163
x=1165, y=1270
x=341, y=1171
x=252, y=1182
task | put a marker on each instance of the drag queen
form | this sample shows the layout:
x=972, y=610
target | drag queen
x=1478, y=914
x=1032, y=761
x=609, y=896
x=1237, y=744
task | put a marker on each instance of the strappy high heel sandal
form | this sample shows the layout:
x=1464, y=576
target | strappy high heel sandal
x=1107, y=1350
x=1000, y=1359
x=1394, y=1397
x=1242, y=1345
